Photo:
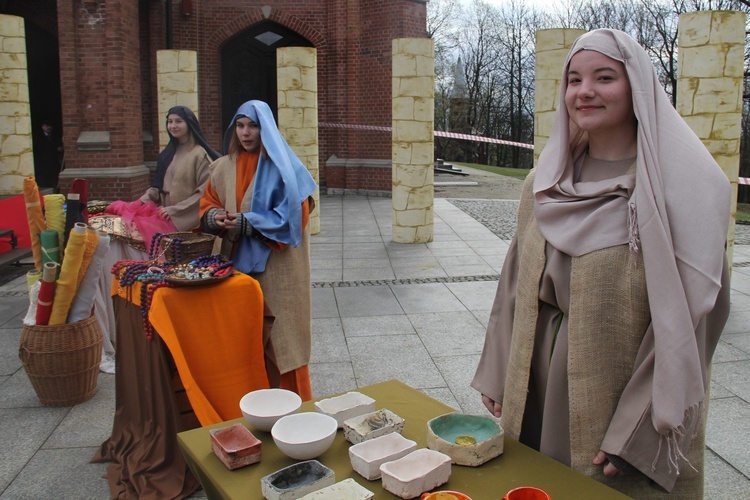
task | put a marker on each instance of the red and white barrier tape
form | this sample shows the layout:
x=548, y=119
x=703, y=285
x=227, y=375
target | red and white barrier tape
x=744, y=180
x=438, y=133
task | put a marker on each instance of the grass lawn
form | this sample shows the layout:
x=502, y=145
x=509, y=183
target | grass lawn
x=743, y=212
x=519, y=173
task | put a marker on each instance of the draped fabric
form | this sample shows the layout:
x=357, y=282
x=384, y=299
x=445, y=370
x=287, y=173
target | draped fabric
x=83, y=302
x=34, y=217
x=282, y=183
x=66, y=283
x=680, y=214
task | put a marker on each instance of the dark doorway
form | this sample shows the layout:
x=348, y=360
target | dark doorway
x=248, y=65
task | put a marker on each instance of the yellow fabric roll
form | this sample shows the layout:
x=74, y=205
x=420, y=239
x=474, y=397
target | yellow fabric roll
x=66, y=283
x=54, y=212
x=89, y=247
x=32, y=277
x=35, y=218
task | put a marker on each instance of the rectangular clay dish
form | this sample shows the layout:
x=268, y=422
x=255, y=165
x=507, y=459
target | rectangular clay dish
x=367, y=456
x=296, y=480
x=346, y=406
x=235, y=446
x=417, y=472
x=372, y=425
x=347, y=489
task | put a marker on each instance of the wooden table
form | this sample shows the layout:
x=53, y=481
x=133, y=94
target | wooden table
x=519, y=465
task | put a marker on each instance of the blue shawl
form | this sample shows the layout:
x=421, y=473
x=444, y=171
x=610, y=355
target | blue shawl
x=280, y=186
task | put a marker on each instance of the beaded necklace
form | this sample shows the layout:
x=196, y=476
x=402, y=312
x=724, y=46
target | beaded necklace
x=153, y=275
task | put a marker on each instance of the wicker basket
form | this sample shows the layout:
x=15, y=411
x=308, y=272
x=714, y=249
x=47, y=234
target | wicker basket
x=184, y=247
x=62, y=361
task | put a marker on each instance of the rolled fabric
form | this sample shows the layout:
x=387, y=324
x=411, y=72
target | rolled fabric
x=84, y=299
x=46, y=294
x=54, y=213
x=32, y=277
x=72, y=214
x=30, y=318
x=81, y=188
x=90, y=244
x=66, y=283
x=50, y=247
x=35, y=217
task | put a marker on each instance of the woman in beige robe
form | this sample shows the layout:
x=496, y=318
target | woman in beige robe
x=181, y=170
x=615, y=289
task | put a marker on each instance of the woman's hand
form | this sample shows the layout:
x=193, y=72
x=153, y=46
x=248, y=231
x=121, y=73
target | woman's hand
x=495, y=408
x=609, y=469
x=225, y=220
x=163, y=214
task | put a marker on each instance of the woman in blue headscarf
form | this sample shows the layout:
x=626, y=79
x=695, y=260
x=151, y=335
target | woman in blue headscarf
x=259, y=199
x=181, y=170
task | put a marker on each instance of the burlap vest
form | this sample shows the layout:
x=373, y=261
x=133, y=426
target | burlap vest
x=285, y=282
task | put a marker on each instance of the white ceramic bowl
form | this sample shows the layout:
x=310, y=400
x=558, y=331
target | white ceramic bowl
x=262, y=408
x=303, y=436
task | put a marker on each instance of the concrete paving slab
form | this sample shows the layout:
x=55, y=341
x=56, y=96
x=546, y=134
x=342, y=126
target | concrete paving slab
x=738, y=322
x=12, y=311
x=89, y=423
x=722, y=480
x=444, y=395
x=474, y=294
x=328, y=342
x=469, y=270
x=429, y=297
x=733, y=375
x=324, y=303
x=332, y=378
x=416, y=273
x=366, y=301
x=739, y=301
x=18, y=392
x=720, y=392
x=328, y=264
x=60, y=473
x=368, y=326
x=10, y=339
x=449, y=333
x=326, y=275
x=361, y=262
x=404, y=357
x=369, y=273
x=482, y=315
x=739, y=340
x=728, y=432
x=458, y=372
x=427, y=261
x=23, y=432
x=727, y=352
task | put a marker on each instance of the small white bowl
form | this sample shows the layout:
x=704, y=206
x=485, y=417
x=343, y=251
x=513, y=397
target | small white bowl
x=262, y=408
x=303, y=436
x=346, y=406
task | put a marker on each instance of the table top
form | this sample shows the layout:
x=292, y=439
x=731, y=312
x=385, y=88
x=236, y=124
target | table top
x=519, y=465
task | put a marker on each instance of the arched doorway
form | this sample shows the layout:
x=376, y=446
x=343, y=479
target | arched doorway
x=248, y=65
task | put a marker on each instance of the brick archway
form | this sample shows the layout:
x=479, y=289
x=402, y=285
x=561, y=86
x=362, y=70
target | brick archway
x=210, y=60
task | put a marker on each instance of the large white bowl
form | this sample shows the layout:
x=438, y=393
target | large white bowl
x=303, y=436
x=264, y=407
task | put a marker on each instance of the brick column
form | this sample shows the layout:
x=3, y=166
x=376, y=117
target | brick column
x=16, y=155
x=552, y=46
x=413, y=140
x=297, y=91
x=709, y=88
x=176, y=84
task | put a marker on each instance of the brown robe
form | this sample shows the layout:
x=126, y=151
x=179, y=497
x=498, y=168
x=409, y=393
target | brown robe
x=184, y=183
x=572, y=384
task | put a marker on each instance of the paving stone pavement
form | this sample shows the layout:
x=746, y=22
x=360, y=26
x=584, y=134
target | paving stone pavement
x=381, y=310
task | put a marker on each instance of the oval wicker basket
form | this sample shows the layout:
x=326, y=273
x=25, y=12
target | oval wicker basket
x=185, y=247
x=62, y=361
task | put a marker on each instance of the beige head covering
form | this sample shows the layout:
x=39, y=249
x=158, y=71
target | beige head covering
x=679, y=213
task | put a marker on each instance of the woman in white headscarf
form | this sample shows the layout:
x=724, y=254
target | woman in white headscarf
x=259, y=199
x=615, y=289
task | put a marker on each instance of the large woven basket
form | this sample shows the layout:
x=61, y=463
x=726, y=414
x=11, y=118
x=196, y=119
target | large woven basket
x=184, y=247
x=62, y=361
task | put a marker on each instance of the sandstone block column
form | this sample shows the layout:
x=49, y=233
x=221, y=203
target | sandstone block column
x=552, y=46
x=16, y=153
x=413, y=140
x=297, y=93
x=709, y=88
x=176, y=83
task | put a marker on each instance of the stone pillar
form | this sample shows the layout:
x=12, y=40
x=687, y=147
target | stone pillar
x=297, y=93
x=552, y=46
x=16, y=154
x=176, y=84
x=413, y=139
x=709, y=88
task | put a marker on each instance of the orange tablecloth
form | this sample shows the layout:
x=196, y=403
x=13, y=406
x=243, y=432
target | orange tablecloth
x=215, y=335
